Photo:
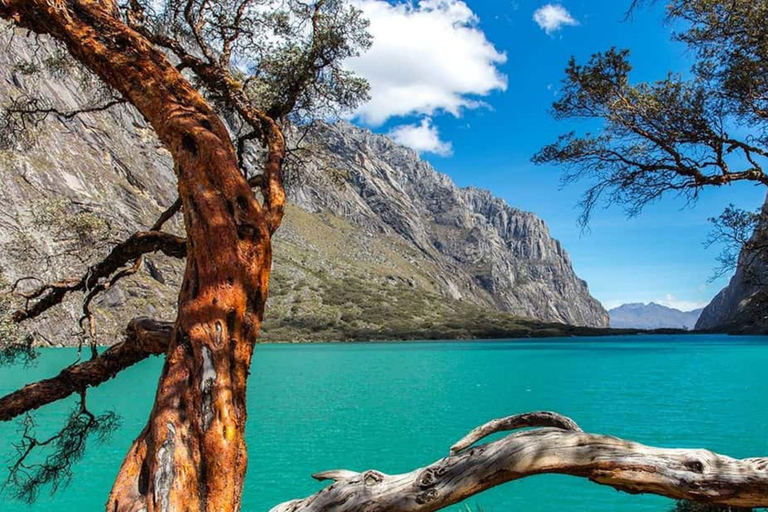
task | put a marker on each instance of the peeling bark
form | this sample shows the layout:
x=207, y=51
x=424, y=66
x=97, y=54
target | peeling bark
x=229, y=257
x=695, y=475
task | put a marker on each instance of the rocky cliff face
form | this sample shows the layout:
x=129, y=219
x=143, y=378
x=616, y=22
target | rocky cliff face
x=368, y=219
x=485, y=251
x=742, y=306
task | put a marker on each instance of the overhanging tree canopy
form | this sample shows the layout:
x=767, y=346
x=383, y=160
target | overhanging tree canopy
x=677, y=135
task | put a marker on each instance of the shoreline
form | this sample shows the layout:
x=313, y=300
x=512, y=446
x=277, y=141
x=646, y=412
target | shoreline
x=507, y=339
x=514, y=339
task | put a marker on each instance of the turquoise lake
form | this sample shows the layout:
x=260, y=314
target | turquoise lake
x=398, y=406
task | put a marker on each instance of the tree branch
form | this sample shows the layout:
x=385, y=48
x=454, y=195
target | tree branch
x=130, y=250
x=166, y=215
x=135, y=246
x=516, y=422
x=694, y=475
x=144, y=337
x=33, y=109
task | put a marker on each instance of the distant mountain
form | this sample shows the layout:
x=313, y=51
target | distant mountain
x=652, y=316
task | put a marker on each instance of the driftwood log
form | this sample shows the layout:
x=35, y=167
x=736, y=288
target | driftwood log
x=562, y=448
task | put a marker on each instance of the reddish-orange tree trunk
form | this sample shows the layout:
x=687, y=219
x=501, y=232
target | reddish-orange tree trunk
x=191, y=455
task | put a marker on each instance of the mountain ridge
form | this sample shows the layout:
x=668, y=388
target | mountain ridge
x=369, y=223
x=484, y=245
x=638, y=315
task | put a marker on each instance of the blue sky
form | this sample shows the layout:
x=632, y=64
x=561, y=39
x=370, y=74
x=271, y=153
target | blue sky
x=471, y=84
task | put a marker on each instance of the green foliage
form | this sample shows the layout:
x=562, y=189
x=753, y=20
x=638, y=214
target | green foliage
x=72, y=224
x=285, y=55
x=743, y=236
x=670, y=136
x=356, y=308
x=334, y=282
x=25, y=68
x=60, y=235
x=731, y=46
x=16, y=344
x=13, y=353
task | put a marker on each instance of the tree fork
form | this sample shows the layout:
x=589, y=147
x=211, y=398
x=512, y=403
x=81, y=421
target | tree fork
x=191, y=455
x=560, y=448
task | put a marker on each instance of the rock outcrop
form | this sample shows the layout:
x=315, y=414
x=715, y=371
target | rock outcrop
x=368, y=219
x=742, y=306
x=485, y=251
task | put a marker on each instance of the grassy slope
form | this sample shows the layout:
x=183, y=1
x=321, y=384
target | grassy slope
x=334, y=282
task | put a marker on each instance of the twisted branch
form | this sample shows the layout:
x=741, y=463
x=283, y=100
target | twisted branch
x=138, y=244
x=144, y=337
x=33, y=109
x=516, y=422
x=129, y=251
x=694, y=475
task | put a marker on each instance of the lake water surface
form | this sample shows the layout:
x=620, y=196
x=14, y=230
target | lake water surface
x=394, y=407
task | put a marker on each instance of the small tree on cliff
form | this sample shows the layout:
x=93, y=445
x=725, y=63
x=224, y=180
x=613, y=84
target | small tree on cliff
x=676, y=135
x=261, y=63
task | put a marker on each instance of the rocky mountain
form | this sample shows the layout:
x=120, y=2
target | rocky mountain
x=485, y=251
x=742, y=306
x=652, y=316
x=376, y=243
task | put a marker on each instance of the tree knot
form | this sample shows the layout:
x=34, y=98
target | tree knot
x=430, y=476
x=426, y=497
x=694, y=465
x=371, y=478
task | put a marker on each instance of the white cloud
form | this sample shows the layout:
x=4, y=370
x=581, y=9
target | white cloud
x=552, y=17
x=426, y=57
x=671, y=301
x=611, y=304
x=422, y=137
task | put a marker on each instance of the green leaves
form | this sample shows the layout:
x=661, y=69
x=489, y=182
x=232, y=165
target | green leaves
x=289, y=54
x=671, y=135
x=731, y=45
